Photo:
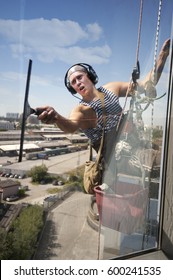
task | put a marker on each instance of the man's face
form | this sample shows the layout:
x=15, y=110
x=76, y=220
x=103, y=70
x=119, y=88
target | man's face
x=80, y=82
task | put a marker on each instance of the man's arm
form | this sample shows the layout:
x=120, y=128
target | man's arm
x=160, y=63
x=81, y=117
x=120, y=88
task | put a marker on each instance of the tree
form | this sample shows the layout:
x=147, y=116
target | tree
x=38, y=173
x=157, y=133
x=3, y=244
x=25, y=232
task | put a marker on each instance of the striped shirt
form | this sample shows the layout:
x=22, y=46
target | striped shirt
x=113, y=111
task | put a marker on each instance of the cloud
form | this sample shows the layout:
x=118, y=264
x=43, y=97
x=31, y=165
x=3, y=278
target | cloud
x=97, y=55
x=94, y=30
x=50, y=40
x=12, y=77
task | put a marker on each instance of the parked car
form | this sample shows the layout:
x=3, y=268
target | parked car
x=12, y=198
x=42, y=182
x=26, y=188
x=57, y=183
x=60, y=183
x=42, y=156
x=21, y=176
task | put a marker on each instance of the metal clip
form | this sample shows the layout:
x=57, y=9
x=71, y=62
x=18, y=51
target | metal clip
x=136, y=72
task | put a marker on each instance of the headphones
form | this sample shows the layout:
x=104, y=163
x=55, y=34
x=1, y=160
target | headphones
x=91, y=74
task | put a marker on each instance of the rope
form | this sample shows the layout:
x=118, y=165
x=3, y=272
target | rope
x=139, y=32
x=156, y=41
x=154, y=78
x=136, y=70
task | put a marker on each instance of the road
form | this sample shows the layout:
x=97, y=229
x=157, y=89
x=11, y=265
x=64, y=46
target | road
x=56, y=164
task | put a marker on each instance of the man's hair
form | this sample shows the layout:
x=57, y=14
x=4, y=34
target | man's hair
x=80, y=67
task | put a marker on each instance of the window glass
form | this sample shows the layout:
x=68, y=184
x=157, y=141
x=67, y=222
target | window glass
x=129, y=199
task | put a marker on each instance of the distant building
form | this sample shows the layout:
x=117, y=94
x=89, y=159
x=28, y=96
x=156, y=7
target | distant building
x=159, y=127
x=13, y=116
x=6, y=125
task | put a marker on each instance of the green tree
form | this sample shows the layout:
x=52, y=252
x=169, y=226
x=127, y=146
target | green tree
x=76, y=177
x=38, y=173
x=3, y=243
x=157, y=133
x=24, y=234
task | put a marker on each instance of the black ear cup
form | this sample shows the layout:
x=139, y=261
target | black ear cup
x=91, y=74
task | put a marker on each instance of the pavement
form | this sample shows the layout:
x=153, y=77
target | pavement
x=67, y=234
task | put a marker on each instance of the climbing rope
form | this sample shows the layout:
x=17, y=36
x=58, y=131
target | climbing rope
x=151, y=88
x=150, y=91
x=139, y=32
x=154, y=77
x=156, y=41
x=136, y=70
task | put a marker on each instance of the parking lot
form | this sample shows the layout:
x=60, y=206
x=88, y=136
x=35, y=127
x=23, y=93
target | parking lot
x=56, y=164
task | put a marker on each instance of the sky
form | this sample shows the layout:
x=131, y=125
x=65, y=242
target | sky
x=55, y=34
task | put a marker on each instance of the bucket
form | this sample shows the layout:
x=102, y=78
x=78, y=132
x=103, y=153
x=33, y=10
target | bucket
x=124, y=210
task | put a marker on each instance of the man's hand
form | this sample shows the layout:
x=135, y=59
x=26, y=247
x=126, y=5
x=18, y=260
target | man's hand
x=166, y=47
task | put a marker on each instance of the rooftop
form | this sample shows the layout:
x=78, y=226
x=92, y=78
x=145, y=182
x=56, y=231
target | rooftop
x=8, y=183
